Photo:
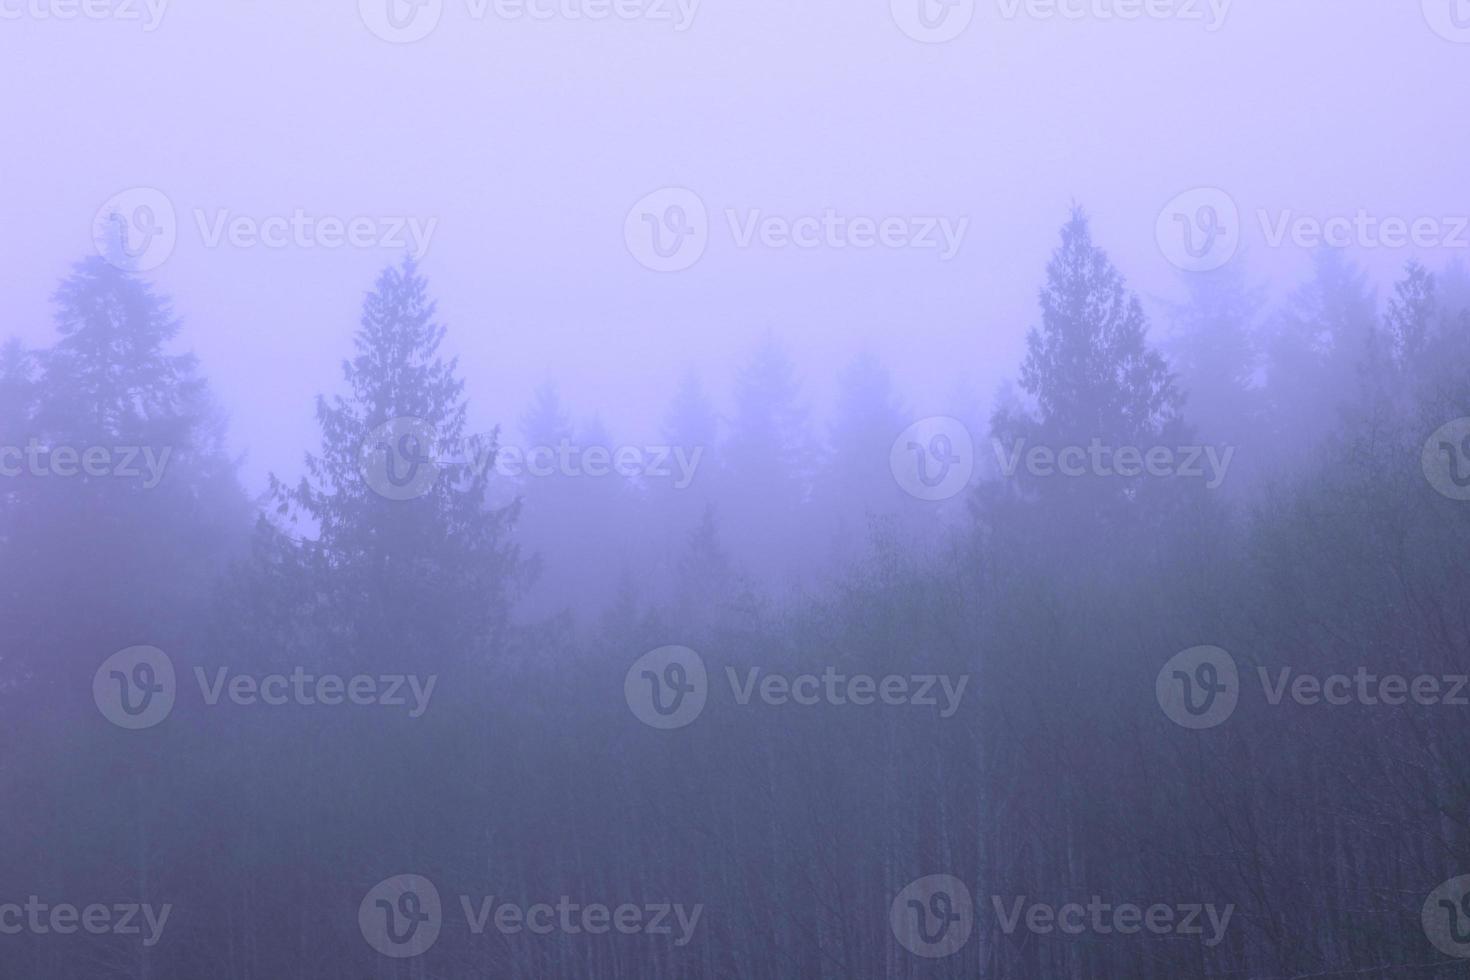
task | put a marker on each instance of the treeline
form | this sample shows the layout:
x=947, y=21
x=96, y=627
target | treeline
x=792, y=549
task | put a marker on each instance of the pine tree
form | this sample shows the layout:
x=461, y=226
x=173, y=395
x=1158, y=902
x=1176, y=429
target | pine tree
x=1088, y=367
x=109, y=376
x=1315, y=349
x=440, y=548
x=1213, y=346
x=143, y=535
x=1411, y=317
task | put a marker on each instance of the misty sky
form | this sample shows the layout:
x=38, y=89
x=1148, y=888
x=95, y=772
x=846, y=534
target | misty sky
x=528, y=142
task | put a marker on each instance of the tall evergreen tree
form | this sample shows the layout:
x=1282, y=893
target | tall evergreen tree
x=1089, y=368
x=434, y=545
x=143, y=532
x=1212, y=346
x=1315, y=349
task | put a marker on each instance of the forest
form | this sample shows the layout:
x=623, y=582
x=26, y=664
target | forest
x=1150, y=666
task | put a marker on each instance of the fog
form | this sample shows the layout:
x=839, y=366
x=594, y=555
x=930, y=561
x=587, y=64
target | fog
x=876, y=482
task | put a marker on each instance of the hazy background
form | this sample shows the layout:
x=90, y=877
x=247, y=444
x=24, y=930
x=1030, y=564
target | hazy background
x=1128, y=643
x=529, y=141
